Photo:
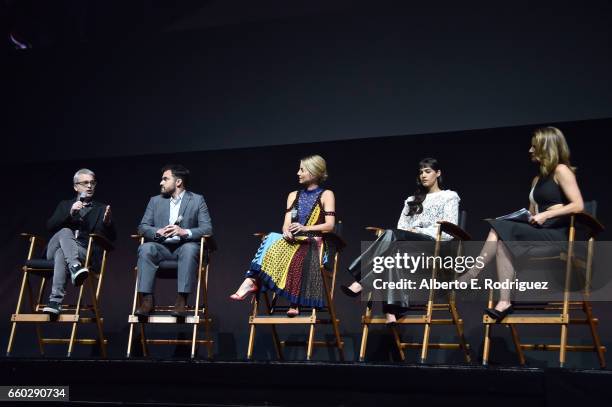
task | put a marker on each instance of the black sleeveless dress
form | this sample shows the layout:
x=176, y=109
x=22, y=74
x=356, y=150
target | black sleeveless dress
x=525, y=239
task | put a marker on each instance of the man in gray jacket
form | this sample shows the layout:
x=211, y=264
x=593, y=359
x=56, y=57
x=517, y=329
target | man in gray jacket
x=172, y=226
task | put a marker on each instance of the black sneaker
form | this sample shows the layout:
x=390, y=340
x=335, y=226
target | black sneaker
x=53, y=308
x=78, y=273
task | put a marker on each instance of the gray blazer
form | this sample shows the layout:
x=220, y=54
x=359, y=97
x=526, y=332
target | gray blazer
x=193, y=210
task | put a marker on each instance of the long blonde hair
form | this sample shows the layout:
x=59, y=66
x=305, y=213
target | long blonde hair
x=316, y=165
x=551, y=149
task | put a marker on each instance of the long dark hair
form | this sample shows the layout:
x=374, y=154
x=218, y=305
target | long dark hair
x=416, y=206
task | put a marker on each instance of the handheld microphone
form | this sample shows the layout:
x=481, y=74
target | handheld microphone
x=294, y=215
x=83, y=196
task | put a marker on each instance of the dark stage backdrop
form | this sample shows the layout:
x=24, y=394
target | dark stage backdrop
x=347, y=70
x=246, y=192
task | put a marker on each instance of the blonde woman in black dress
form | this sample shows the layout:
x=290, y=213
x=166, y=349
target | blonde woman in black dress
x=554, y=194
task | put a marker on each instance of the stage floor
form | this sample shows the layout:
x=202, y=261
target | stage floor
x=218, y=383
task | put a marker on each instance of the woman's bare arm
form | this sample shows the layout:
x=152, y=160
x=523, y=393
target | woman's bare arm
x=532, y=208
x=567, y=181
x=287, y=220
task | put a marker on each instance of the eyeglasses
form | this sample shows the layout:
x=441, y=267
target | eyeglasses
x=86, y=183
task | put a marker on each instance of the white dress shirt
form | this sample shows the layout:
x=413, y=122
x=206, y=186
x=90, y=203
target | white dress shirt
x=175, y=206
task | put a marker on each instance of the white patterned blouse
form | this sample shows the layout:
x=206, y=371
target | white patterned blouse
x=440, y=205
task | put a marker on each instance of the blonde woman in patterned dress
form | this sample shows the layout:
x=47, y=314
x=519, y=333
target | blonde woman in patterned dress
x=418, y=222
x=288, y=263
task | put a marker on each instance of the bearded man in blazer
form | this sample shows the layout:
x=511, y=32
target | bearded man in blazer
x=172, y=226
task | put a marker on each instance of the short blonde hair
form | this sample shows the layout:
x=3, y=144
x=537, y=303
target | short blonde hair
x=551, y=149
x=316, y=165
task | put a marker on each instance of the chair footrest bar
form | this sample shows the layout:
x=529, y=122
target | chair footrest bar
x=38, y=318
x=322, y=344
x=529, y=319
x=170, y=308
x=83, y=341
x=446, y=346
x=273, y=319
x=169, y=319
x=177, y=341
x=410, y=319
x=569, y=348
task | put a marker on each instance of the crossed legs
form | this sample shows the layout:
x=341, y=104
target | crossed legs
x=495, y=249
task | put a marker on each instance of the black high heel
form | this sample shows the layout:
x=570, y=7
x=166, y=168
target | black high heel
x=346, y=290
x=499, y=315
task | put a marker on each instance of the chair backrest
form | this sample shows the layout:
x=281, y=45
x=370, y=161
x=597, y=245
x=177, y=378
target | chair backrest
x=462, y=219
x=590, y=207
x=583, y=232
x=338, y=228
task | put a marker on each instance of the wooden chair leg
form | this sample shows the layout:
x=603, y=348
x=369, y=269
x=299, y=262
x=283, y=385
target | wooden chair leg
x=193, y=340
x=196, y=311
x=275, y=338
x=459, y=327
x=398, y=343
x=563, y=346
x=487, y=345
x=209, y=344
x=143, y=340
x=134, y=301
x=33, y=309
x=332, y=314
x=365, y=331
x=339, y=343
x=487, y=335
x=207, y=327
x=596, y=340
x=424, y=349
x=9, y=348
x=252, y=330
x=74, y=324
x=311, y=337
x=364, y=341
x=130, y=337
x=94, y=302
x=566, y=293
x=517, y=345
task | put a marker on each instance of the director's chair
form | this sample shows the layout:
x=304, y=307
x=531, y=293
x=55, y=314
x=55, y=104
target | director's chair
x=558, y=312
x=423, y=313
x=317, y=316
x=72, y=314
x=200, y=314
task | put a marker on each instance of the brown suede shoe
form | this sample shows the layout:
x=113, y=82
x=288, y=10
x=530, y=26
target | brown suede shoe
x=180, y=310
x=146, y=306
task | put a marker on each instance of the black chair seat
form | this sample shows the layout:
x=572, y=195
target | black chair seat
x=167, y=269
x=40, y=264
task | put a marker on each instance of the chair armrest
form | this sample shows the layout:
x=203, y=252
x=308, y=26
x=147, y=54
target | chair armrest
x=587, y=220
x=102, y=241
x=209, y=242
x=454, y=230
x=138, y=238
x=375, y=229
x=340, y=243
x=39, y=239
x=260, y=235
